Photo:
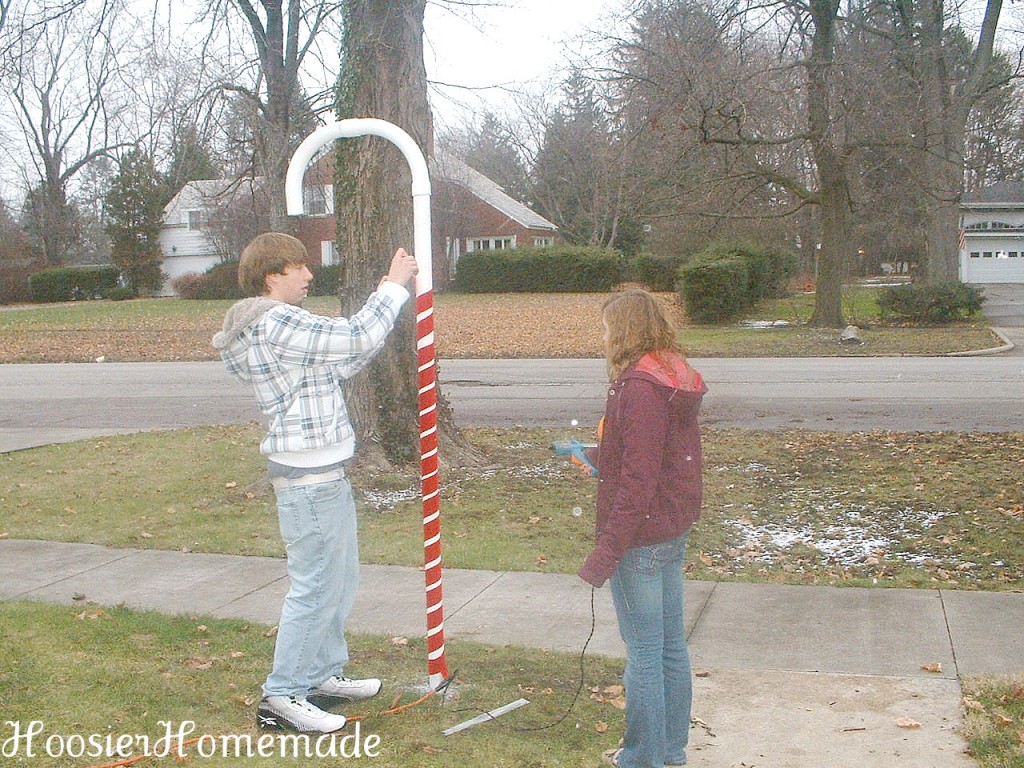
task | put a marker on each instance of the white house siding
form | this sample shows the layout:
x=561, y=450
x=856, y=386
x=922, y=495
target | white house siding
x=993, y=235
x=184, y=251
x=189, y=250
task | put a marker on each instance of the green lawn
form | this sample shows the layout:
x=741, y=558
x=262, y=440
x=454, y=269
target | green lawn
x=994, y=715
x=99, y=672
x=478, y=325
x=880, y=508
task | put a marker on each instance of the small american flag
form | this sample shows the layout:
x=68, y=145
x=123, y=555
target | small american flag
x=963, y=238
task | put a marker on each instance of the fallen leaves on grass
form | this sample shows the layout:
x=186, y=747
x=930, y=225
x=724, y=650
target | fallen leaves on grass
x=90, y=615
x=615, y=695
x=875, y=505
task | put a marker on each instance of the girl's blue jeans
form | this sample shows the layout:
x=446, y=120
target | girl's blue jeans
x=647, y=589
x=318, y=525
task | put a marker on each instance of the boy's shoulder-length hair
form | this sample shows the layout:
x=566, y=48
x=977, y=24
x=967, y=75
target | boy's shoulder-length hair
x=268, y=254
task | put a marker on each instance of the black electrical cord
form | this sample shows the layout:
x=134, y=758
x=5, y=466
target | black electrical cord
x=576, y=696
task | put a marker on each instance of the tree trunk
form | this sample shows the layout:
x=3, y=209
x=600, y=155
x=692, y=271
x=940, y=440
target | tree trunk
x=384, y=77
x=836, y=214
x=947, y=105
x=834, y=255
x=277, y=43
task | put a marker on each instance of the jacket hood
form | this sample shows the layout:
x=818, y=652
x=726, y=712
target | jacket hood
x=234, y=339
x=670, y=370
x=241, y=315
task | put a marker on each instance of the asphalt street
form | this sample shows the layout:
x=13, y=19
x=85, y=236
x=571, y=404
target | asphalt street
x=42, y=404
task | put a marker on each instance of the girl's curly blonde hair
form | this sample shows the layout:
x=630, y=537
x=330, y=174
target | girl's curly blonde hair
x=636, y=324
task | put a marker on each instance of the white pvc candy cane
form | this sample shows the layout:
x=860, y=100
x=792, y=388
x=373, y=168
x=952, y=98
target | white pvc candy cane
x=437, y=668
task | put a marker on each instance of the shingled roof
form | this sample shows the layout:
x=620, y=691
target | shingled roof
x=450, y=168
x=1001, y=193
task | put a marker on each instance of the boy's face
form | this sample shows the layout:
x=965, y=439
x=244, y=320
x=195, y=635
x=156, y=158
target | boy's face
x=291, y=286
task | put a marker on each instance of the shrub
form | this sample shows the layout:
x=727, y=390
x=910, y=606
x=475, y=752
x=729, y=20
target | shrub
x=188, y=285
x=218, y=282
x=658, y=273
x=930, y=304
x=725, y=279
x=325, y=280
x=119, y=293
x=559, y=269
x=769, y=270
x=714, y=288
x=72, y=283
x=17, y=263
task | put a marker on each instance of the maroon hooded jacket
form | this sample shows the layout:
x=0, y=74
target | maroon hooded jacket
x=649, y=461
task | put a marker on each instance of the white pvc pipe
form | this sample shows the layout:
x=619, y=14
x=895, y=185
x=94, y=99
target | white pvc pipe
x=363, y=126
x=426, y=361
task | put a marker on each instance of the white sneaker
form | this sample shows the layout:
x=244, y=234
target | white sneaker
x=337, y=687
x=292, y=713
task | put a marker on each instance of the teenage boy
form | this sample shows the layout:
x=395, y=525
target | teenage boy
x=296, y=362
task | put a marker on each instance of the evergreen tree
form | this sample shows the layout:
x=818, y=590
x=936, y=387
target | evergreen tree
x=191, y=160
x=493, y=152
x=51, y=222
x=134, y=213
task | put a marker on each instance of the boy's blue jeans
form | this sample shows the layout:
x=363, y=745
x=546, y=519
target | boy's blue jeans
x=318, y=525
x=647, y=588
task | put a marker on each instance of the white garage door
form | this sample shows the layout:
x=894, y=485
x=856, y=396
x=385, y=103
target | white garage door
x=993, y=262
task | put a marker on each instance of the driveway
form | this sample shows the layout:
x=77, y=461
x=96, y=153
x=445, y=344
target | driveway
x=1004, y=308
x=1004, y=304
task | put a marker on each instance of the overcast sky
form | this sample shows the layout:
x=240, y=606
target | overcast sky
x=508, y=44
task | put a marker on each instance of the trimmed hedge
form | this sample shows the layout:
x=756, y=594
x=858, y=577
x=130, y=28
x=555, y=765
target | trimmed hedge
x=930, y=304
x=218, y=282
x=558, y=269
x=73, y=283
x=714, y=288
x=658, y=273
x=221, y=282
x=325, y=280
x=723, y=280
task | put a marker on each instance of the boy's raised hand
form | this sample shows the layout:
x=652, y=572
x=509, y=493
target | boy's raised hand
x=403, y=267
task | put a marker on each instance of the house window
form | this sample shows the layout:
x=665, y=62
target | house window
x=1012, y=254
x=328, y=253
x=986, y=254
x=975, y=254
x=195, y=220
x=543, y=242
x=318, y=200
x=988, y=226
x=491, y=243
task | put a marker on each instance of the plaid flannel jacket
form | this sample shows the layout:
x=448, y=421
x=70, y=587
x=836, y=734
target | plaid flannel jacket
x=296, y=361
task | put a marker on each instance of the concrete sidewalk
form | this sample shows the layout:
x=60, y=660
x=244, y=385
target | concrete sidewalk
x=807, y=677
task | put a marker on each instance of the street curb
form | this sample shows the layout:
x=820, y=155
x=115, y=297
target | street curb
x=1007, y=346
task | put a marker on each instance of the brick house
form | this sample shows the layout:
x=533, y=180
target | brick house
x=468, y=212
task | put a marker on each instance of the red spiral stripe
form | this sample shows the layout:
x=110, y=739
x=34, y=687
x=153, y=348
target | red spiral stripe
x=430, y=485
